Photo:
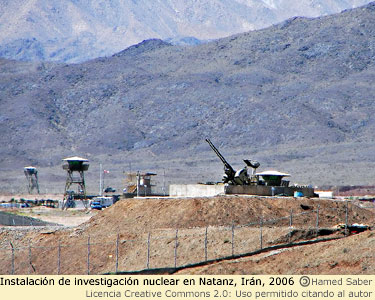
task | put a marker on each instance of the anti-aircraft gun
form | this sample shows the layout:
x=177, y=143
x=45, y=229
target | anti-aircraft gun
x=229, y=172
x=239, y=177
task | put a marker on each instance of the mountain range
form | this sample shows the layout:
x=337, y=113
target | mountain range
x=78, y=30
x=296, y=96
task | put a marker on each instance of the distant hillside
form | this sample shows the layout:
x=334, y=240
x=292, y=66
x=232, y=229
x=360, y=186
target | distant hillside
x=78, y=30
x=297, y=96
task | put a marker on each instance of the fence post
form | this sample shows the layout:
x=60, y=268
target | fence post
x=205, y=244
x=88, y=255
x=11, y=245
x=261, y=232
x=232, y=238
x=59, y=258
x=346, y=217
x=175, y=249
x=117, y=250
x=317, y=220
x=291, y=218
x=148, y=250
x=30, y=261
x=290, y=224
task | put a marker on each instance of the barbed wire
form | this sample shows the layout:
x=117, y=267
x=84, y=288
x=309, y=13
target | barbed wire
x=182, y=232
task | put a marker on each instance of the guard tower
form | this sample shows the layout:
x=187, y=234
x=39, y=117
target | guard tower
x=31, y=174
x=75, y=167
x=138, y=184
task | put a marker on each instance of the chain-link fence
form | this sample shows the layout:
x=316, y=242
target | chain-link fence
x=167, y=248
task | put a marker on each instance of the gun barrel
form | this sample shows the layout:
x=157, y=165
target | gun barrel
x=226, y=164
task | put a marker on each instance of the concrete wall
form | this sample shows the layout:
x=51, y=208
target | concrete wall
x=195, y=190
x=264, y=190
x=325, y=194
x=201, y=190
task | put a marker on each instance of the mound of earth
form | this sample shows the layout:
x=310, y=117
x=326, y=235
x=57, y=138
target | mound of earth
x=123, y=234
x=352, y=255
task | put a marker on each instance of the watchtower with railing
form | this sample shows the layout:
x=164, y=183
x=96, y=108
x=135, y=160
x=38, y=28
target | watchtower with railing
x=31, y=174
x=75, y=167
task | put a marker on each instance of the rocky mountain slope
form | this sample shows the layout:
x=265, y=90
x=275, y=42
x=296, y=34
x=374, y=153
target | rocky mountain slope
x=297, y=96
x=78, y=30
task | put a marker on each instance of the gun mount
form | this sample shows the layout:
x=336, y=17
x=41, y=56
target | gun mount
x=240, y=182
x=229, y=172
x=239, y=177
x=252, y=163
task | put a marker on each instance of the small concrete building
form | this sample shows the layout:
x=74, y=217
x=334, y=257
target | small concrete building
x=196, y=190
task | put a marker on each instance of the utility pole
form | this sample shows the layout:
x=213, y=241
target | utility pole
x=138, y=183
x=164, y=182
x=100, y=180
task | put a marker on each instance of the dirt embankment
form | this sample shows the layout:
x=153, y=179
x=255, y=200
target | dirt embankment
x=352, y=255
x=120, y=235
x=145, y=215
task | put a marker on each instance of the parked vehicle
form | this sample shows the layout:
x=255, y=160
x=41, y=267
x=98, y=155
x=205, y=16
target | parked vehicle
x=101, y=202
x=109, y=190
